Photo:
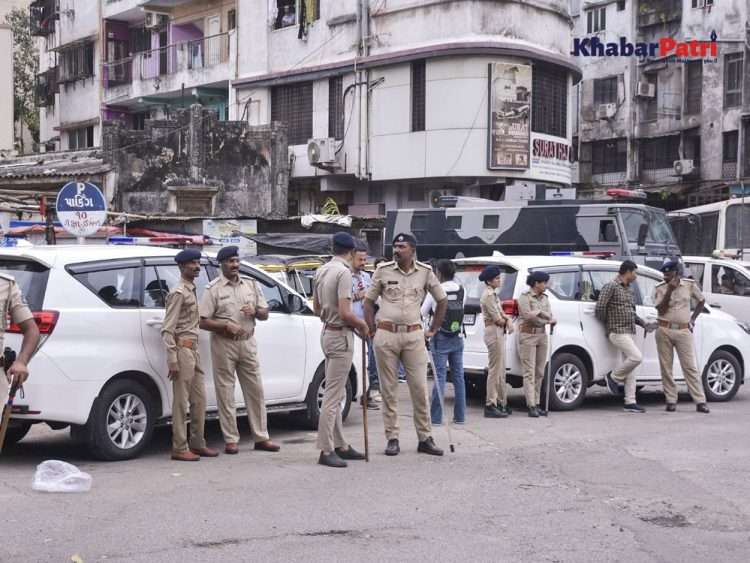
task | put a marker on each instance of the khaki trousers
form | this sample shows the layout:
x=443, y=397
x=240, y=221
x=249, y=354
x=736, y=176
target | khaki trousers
x=494, y=339
x=667, y=341
x=625, y=374
x=532, y=348
x=409, y=348
x=4, y=390
x=188, y=388
x=240, y=357
x=338, y=347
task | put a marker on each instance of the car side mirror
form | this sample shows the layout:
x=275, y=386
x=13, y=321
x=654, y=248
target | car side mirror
x=642, y=234
x=294, y=303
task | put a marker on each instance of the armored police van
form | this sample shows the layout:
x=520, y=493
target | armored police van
x=575, y=227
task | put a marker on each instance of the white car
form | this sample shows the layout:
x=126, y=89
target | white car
x=724, y=283
x=100, y=311
x=581, y=353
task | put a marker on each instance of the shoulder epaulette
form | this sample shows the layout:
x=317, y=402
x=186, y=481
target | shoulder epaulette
x=213, y=282
x=423, y=265
x=382, y=264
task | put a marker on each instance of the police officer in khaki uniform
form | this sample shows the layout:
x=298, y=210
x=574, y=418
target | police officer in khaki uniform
x=180, y=335
x=229, y=308
x=15, y=309
x=332, y=299
x=534, y=310
x=402, y=285
x=675, y=332
x=496, y=325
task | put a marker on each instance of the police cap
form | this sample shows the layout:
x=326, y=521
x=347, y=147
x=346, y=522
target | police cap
x=670, y=265
x=405, y=237
x=489, y=273
x=536, y=277
x=227, y=252
x=343, y=240
x=187, y=255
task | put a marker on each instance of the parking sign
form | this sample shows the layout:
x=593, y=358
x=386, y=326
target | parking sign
x=81, y=208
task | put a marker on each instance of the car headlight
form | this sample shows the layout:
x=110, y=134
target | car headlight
x=744, y=326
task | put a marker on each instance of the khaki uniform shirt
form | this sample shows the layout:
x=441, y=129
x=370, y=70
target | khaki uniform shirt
x=490, y=306
x=12, y=304
x=402, y=292
x=529, y=307
x=333, y=281
x=181, y=318
x=223, y=301
x=679, y=301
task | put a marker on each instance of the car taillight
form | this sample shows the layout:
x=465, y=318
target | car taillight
x=510, y=307
x=45, y=320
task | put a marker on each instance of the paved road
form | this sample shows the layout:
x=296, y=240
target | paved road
x=592, y=485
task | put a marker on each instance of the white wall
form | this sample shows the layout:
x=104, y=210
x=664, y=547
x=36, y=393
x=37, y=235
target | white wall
x=6, y=88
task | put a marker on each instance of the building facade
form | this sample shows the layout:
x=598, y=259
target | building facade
x=673, y=120
x=393, y=103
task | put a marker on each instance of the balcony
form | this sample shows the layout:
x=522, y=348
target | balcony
x=194, y=62
x=729, y=170
x=658, y=12
x=42, y=17
x=118, y=8
x=46, y=87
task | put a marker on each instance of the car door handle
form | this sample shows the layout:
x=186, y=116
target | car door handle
x=715, y=305
x=155, y=322
x=589, y=311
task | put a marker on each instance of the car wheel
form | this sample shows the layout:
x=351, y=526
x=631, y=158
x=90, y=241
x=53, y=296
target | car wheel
x=314, y=399
x=17, y=430
x=569, y=382
x=721, y=376
x=122, y=421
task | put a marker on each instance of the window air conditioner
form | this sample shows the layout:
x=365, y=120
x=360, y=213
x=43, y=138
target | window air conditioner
x=683, y=167
x=606, y=111
x=646, y=90
x=321, y=151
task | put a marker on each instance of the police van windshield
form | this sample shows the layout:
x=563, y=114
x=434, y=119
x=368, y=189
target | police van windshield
x=658, y=232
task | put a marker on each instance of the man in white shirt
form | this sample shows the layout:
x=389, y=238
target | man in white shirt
x=361, y=281
x=447, y=345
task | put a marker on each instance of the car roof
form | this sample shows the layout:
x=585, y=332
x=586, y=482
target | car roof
x=72, y=253
x=526, y=262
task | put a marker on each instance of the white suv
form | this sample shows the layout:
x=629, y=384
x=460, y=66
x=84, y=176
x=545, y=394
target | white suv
x=581, y=353
x=725, y=283
x=100, y=311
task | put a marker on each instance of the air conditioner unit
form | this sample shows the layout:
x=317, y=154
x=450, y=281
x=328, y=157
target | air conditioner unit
x=683, y=167
x=646, y=90
x=321, y=151
x=155, y=20
x=606, y=111
x=440, y=198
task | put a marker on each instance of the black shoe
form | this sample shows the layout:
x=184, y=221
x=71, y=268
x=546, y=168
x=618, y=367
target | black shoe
x=506, y=409
x=702, y=407
x=671, y=407
x=429, y=447
x=493, y=412
x=633, y=407
x=331, y=460
x=533, y=412
x=541, y=411
x=392, y=448
x=349, y=453
x=612, y=385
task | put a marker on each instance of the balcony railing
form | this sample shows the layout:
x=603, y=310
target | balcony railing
x=655, y=12
x=728, y=170
x=187, y=55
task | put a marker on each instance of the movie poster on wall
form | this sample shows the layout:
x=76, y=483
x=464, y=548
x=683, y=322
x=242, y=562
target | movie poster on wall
x=509, y=118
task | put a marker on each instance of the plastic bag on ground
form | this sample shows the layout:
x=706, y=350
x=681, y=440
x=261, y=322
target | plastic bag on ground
x=55, y=476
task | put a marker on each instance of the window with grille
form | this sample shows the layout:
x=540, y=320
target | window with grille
x=81, y=138
x=609, y=156
x=605, y=90
x=694, y=87
x=293, y=105
x=651, y=106
x=336, y=107
x=418, y=86
x=549, y=113
x=139, y=39
x=596, y=20
x=77, y=62
x=660, y=152
x=729, y=153
x=733, y=80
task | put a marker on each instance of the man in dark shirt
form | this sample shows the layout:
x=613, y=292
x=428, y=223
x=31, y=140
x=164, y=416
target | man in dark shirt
x=615, y=308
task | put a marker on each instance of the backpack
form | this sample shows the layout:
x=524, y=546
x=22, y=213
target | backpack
x=453, y=323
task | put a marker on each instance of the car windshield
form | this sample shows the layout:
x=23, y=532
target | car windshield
x=737, y=233
x=468, y=276
x=659, y=230
x=31, y=278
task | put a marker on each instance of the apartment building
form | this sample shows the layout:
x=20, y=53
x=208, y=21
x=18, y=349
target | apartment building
x=394, y=103
x=128, y=61
x=672, y=115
